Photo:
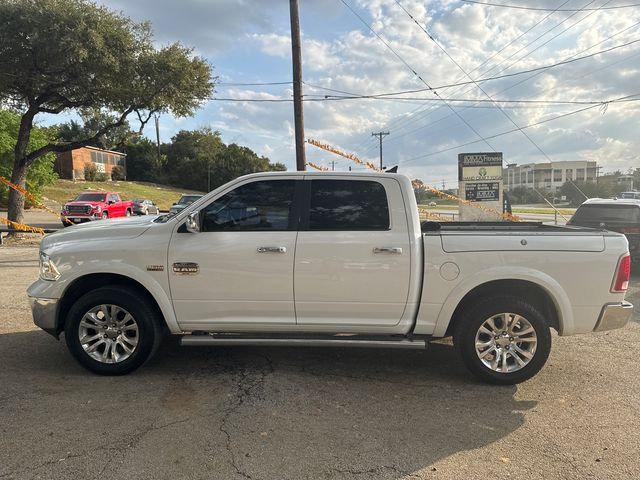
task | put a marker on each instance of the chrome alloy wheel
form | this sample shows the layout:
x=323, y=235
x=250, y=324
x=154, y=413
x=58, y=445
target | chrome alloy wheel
x=108, y=334
x=506, y=342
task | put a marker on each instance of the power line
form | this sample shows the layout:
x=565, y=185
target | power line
x=533, y=41
x=257, y=84
x=414, y=72
x=396, y=137
x=604, y=104
x=540, y=9
x=505, y=114
x=472, y=81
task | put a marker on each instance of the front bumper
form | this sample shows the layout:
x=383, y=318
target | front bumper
x=44, y=314
x=614, y=315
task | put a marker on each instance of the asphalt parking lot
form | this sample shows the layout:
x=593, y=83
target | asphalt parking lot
x=284, y=413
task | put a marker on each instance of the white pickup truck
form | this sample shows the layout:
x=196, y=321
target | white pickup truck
x=326, y=259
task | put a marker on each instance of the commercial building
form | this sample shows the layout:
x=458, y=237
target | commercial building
x=549, y=175
x=70, y=165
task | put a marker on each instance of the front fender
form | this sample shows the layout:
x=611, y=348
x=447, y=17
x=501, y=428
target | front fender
x=555, y=291
x=57, y=290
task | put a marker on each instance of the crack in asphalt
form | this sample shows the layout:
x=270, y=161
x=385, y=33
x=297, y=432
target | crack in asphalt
x=246, y=387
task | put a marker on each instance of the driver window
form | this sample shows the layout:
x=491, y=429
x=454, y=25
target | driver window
x=256, y=206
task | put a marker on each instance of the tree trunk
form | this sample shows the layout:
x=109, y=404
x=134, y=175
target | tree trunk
x=15, y=211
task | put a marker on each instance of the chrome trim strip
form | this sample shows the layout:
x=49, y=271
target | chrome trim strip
x=208, y=340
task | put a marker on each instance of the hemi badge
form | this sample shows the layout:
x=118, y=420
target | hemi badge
x=155, y=268
x=186, y=268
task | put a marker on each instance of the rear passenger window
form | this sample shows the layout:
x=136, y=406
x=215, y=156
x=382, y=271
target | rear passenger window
x=348, y=205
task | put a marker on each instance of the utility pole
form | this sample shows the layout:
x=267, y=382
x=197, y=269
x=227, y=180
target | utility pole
x=380, y=135
x=157, y=121
x=296, y=56
x=333, y=165
x=443, y=184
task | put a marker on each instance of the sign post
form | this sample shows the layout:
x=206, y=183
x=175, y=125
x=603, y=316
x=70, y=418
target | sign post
x=480, y=181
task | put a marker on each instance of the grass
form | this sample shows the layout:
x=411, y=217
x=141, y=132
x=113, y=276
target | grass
x=64, y=190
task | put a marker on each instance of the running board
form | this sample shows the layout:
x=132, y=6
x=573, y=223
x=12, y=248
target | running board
x=281, y=341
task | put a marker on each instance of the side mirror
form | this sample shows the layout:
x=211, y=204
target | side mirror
x=111, y=202
x=193, y=222
x=174, y=203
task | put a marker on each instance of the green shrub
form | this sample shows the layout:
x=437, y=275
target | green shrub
x=101, y=177
x=117, y=173
x=90, y=172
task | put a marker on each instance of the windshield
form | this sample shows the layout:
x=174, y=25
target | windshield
x=607, y=214
x=188, y=199
x=90, y=197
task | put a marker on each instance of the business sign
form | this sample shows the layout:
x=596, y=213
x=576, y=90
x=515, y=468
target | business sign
x=470, y=165
x=492, y=172
x=482, y=191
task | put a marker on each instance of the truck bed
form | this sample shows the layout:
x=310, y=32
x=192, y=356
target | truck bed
x=429, y=227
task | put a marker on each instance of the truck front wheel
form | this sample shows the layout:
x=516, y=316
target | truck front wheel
x=112, y=330
x=105, y=215
x=502, y=339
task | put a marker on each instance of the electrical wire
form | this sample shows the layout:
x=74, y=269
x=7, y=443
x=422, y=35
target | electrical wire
x=609, y=102
x=540, y=9
x=414, y=72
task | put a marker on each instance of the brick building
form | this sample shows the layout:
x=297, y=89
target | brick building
x=70, y=165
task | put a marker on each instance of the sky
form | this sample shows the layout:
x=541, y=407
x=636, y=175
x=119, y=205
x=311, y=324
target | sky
x=371, y=47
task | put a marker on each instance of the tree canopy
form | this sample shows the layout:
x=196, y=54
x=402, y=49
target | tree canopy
x=66, y=55
x=194, y=159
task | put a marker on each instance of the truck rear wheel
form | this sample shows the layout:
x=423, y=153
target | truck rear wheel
x=112, y=330
x=503, y=339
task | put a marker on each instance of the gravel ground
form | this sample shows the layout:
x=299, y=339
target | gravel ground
x=283, y=413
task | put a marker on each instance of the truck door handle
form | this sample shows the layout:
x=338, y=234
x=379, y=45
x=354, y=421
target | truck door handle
x=272, y=249
x=396, y=250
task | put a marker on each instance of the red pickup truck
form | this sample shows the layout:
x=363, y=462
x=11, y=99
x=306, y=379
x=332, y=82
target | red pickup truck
x=95, y=206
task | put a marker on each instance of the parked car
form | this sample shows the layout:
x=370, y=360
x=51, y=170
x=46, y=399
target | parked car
x=618, y=215
x=184, y=202
x=90, y=206
x=433, y=204
x=144, y=206
x=630, y=195
x=327, y=259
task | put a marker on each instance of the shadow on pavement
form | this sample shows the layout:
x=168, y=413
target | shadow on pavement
x=244, y=412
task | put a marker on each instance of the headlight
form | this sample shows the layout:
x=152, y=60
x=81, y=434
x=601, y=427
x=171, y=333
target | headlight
x=48, y=270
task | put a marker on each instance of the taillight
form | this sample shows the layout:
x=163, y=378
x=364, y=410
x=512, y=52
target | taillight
x=623, y=272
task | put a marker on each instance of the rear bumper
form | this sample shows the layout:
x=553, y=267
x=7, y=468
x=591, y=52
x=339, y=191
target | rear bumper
x=44, y=314
x=614, y=315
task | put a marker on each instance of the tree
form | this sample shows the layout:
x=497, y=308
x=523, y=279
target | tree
x=41, y=172
x=94, y=121
x=591, y=190
x=71, y=55
x=199, y=159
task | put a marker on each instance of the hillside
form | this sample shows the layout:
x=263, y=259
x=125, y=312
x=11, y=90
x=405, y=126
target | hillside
x=64, y=190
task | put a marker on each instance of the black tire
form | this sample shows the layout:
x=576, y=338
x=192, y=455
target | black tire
x=476, y=314
x=66, y=224
x=145, y=315
x=104, y=215
x=127, y=213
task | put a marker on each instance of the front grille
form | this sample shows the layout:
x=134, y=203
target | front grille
x=83, y=209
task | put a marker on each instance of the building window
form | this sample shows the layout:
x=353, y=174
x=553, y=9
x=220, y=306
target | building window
x=557, y=174
x=580, y=174
x=568, y=174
